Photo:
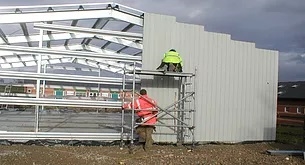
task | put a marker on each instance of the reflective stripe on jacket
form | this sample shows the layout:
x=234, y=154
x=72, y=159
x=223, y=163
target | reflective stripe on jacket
x=172, y=57
x=145, y=107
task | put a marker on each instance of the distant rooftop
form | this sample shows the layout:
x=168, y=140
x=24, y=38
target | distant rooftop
x=291, y=90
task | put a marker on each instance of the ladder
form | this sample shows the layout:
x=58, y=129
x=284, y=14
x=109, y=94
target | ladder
x=186, y=110
x=7, y=93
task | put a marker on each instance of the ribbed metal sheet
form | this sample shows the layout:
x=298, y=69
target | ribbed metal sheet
x=236, y=83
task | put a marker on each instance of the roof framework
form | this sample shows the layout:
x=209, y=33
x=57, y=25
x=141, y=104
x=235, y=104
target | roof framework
x=60, y=32
x=102, y=36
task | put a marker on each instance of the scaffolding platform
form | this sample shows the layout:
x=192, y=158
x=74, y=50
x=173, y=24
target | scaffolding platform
x=162, y=73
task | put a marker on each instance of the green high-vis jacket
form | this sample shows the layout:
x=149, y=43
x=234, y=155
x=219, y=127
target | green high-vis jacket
x=172, y=57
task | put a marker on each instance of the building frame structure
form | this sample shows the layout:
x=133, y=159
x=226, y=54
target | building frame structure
x=47, y=20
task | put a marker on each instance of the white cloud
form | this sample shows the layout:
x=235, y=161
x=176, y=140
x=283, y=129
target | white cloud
x=195, y=13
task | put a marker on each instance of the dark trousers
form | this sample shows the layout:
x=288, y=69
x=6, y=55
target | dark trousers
x=145, y=135
x=174, y=67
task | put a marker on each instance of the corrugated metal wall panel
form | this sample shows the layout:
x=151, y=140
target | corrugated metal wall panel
x=236, y=83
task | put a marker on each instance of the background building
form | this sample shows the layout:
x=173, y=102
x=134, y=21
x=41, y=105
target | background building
x=291, y=103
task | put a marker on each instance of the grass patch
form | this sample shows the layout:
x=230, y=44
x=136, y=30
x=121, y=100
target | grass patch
x=290, y=134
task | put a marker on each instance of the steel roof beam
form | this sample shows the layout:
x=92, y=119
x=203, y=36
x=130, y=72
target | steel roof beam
x=128, y=27
x=106, y=65
x=115, y=68
x=63, y=36
x=123, y=48
x=52, y=52
x=123, y=30
x=71, y=29
x=60, y=102
x=10, y=61
x=25, y=33
x=120, y=41
x=136, y=54
x=69, y=15
x=63, y=78
x=74, y=23
x=96, y=64
x=3, y=37
x=34, y=62
x=99, y=24
x=98, y=50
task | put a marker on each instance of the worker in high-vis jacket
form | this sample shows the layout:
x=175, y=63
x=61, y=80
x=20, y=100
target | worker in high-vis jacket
x=172, y=60
x=146, y=109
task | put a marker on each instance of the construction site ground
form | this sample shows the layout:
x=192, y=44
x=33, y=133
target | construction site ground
x=20, y=154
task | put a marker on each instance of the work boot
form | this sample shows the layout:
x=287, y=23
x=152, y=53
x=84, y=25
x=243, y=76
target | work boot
x=171, y=67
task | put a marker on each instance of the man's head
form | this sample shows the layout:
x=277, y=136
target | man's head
x=143, y=92
x=172, y=50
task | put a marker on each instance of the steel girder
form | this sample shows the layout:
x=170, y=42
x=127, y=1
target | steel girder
x=72, y=29
x=63, y=78
x=9, y=18
x=62, y=136
x=12, y=60
x=65, y=36
x=60, y=102
x=68, y=53
x=26, y=63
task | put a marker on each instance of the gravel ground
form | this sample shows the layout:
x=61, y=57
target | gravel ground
x=159, y=154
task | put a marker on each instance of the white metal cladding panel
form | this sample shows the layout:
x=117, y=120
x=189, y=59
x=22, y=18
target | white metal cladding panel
x=187, y=41
x=158, y=39
x=234, y=101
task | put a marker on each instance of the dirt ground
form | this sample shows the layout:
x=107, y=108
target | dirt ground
x=160, y=154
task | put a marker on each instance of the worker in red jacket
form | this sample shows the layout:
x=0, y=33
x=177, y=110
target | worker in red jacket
x=145, y=108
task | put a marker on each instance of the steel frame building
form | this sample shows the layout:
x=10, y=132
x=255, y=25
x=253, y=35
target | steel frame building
x=230, y=85
x=78, y=45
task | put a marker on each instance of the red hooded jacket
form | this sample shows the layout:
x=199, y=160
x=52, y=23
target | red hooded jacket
x=145, y=108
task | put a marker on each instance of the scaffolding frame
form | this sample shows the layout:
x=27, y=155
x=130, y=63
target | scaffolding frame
x=185, y=93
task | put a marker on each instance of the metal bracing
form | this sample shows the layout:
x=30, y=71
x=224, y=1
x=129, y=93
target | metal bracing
x=95, y=64
x=129, y=26
x=72, y=29
x=99, y=24
x=103, y=65
x=3, y=37
x=15, y=60
x=59, y=102
x=25, y=33
x=98, y=50
x=51, y=52
x=74, y=23
x=69, y=15
x=125, y=42
x=62, y=77
x=73, y=68
x=66, y=36
x=27, y=58
x=25, y=63
x=11, y=57
x=62, y=136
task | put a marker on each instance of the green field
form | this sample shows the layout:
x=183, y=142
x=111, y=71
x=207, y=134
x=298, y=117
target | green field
x=290, y=134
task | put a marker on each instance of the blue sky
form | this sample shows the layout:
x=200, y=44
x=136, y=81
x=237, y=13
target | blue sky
x=271, y=24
